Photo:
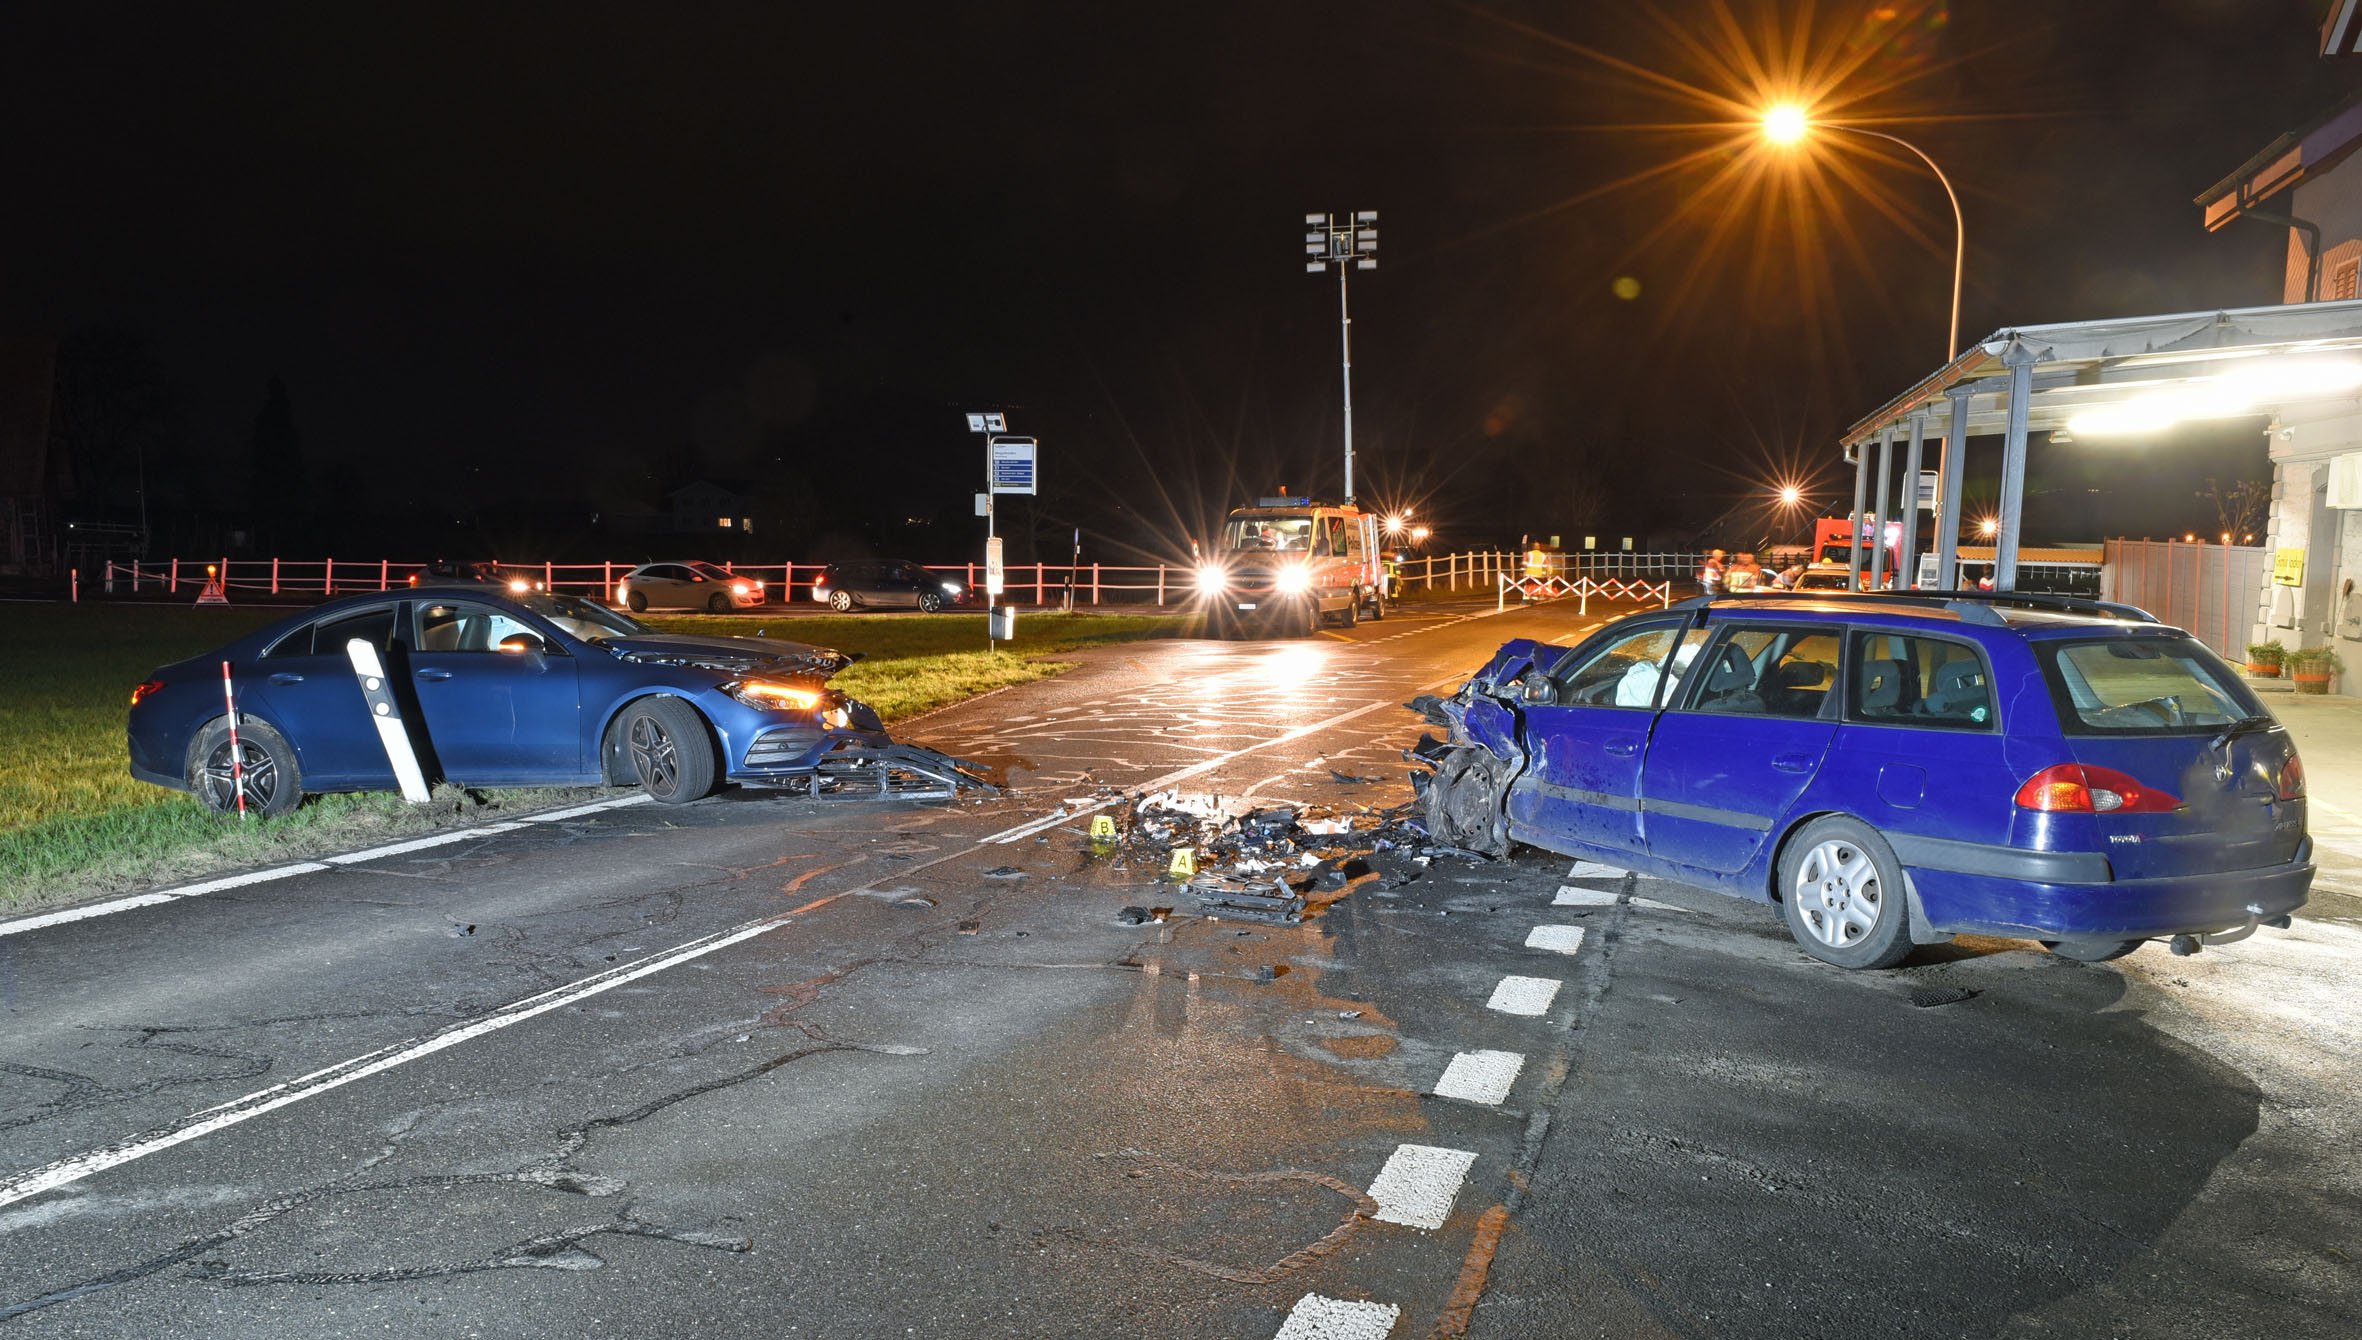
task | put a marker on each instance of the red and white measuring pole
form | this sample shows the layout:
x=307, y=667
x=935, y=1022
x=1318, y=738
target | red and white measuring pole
x=229, y=700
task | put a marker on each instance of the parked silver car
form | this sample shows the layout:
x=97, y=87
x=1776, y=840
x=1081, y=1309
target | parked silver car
x=687, y=585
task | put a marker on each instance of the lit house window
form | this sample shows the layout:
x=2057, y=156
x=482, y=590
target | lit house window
x=747, y=524
x=2344, y=280
x=723, y=522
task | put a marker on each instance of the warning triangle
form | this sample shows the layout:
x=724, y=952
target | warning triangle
x=212, y=594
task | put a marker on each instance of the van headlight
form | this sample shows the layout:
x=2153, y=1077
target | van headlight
x=1211, y=579
x=1293, y=581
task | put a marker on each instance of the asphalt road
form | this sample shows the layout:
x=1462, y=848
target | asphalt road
x=754, y=1067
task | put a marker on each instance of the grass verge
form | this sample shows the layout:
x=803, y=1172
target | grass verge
x=75, y=824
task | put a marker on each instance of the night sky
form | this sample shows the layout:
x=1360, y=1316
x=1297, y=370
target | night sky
x=573, y=255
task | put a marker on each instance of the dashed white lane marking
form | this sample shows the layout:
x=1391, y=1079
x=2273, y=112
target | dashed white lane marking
x=38, y=1180
x=1529, y=996
x=1558, y=939
x=251, y=877
x=1480, y=1077
x=1594, y=870
x=1417, y=1186
x=1654, y=906
x=1317, y=1318
x=1570, y=896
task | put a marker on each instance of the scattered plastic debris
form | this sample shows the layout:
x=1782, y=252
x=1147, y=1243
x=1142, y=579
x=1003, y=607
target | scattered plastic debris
x=1926, y=997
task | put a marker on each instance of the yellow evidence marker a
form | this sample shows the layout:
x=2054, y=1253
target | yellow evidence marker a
x=1184, y=864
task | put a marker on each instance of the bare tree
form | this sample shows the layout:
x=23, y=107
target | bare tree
x=2239, y=508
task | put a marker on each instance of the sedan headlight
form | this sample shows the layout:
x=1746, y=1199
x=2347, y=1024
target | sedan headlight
x=1293, y=581
x=1211, y=579
x=951, y=588
x=771, y=694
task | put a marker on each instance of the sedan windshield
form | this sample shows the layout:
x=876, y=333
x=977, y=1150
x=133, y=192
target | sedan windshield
x=586, y=619
x=709, y=572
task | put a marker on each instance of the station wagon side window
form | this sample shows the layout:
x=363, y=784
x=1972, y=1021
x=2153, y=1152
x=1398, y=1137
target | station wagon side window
x=1901, y=679
x=1628, y=671
x=1768, y=671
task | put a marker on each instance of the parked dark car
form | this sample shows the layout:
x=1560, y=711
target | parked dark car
x=888, y=583
x=1894, y=769
x=498, y=690
x=687, y=584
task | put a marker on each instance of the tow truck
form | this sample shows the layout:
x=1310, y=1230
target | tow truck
x=1290, y=565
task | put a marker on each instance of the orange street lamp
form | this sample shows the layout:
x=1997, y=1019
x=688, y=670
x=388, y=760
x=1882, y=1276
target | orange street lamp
x=1788, y=124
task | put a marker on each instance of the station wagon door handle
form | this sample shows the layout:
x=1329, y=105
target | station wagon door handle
x=283, y=678
x=1622, y=748
x=434, y=674
x=1793, y=762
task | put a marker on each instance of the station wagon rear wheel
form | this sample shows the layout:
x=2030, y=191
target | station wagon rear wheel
x=665, y=749
x=841, y=601
x=1842, y=890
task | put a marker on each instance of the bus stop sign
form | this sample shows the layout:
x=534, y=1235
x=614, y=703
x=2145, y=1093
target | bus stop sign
x=1012, y=465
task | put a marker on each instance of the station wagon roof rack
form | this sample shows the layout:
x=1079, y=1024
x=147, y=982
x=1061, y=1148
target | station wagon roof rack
x=1976, y=606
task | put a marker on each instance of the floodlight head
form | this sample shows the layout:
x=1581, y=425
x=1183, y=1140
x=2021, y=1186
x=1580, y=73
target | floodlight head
x=1316, y=218
x=1365, y=246
x=1367, y=235
x=1315, y=267
x=1312, y=248
x=1366, y=263
x=1316, y=237
x=1365, y=216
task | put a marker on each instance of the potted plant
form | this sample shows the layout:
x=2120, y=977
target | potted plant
x=2263, y=658
x=2312, y=668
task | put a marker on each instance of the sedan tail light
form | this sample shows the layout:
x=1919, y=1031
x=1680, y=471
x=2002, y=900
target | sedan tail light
x=144, y=690
x=2082, y=788
x=2292, y=776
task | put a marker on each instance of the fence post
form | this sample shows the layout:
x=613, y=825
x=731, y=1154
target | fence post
x=328, y=579
x=1094, y=583
x=1160, y=586
x=175, y=589
x=110, y=576
x=274, y=574
x=1041, y=584
x=787, y=582
x=549, y=575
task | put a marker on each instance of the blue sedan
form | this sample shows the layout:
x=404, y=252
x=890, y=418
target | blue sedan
x=495, y=689
x=1895, y=769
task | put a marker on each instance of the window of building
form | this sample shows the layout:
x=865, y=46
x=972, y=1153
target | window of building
x=2344, y=279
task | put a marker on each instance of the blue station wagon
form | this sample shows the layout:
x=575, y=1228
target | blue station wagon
x=1894, y=769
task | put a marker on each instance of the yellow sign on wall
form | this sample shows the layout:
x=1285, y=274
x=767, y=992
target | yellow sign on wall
x=2288, y=567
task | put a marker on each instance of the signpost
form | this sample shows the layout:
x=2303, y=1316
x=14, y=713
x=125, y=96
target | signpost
x=1008, y=468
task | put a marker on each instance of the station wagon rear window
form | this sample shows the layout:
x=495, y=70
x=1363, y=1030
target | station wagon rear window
x=2142, y=686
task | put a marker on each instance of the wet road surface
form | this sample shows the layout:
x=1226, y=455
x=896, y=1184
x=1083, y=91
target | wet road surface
x=750, y=1067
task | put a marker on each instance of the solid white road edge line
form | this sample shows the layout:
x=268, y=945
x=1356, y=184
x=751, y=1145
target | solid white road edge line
x=23, y=924
x=1417, y=1186
x=139, y=900
x=1317, y=1318
x=34, y=1182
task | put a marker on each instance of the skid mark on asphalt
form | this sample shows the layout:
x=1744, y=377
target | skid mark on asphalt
x=1360, y=1207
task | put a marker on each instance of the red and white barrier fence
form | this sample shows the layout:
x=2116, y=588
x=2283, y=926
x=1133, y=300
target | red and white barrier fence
x=1532, y=588
x=1163, y=584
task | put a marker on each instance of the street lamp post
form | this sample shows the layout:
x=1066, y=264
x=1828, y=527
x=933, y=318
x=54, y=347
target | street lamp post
x=1327, y=241
x=1789, y=124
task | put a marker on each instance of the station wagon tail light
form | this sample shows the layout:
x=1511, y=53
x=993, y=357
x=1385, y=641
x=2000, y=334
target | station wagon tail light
x=154, y=684
x=2292, y=773
x=765, y=693
x=621, y=590
x=2081, y=788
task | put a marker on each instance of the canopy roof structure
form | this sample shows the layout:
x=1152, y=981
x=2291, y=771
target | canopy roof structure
x=2117, y=377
